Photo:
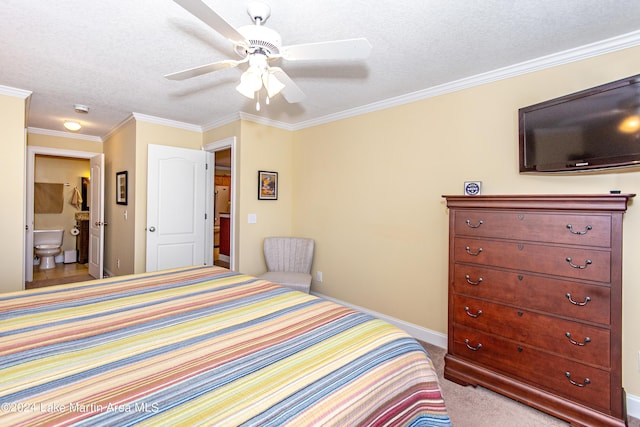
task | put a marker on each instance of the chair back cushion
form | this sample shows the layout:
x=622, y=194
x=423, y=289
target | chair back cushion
x=289, y=254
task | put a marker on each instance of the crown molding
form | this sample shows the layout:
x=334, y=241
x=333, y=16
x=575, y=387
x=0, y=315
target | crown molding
x=241, y=115
x=62, y=134
x=221, y=122
x=117, y=128
x=265, y=121
x=15, y=92
x=166, y=122
x=602, y=47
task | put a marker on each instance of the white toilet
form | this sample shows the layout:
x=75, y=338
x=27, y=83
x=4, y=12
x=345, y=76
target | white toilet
x=47, y=244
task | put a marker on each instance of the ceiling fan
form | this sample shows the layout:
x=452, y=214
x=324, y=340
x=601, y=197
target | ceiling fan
x=258, y=45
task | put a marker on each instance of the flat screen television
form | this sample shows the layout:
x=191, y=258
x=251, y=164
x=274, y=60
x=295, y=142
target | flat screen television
x=597, y=128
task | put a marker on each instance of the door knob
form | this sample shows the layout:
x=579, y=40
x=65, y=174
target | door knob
x=152, y=229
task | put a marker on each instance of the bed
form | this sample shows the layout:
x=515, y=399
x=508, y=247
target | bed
x=205, y=346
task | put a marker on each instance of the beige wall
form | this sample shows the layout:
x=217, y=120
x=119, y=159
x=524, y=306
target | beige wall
x=12, y=192
x=368, y=189
x=64, y=143
x=270, y=149
x=258, y=148
x=119, y=244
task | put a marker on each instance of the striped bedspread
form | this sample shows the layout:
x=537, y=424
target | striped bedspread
x=205, y=346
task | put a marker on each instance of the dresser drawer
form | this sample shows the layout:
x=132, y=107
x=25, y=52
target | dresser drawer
x=544, y=370
x=579, y=263
x=561, y=297
x=587, y=230
x=587, y=343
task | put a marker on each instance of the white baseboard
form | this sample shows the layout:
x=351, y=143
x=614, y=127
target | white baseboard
x=440, y=340
x=633, y=406
x=418, y=332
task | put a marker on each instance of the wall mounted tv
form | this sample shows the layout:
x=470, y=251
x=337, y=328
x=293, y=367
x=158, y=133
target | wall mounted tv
x=597, y=128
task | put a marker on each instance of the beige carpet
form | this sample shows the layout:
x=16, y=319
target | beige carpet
x=479, y=407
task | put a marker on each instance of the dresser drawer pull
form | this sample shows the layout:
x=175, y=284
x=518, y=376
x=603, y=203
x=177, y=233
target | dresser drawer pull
x=476, y=253
x=586, y=300
x=471, y=282
x=477, y=314
x=586, y=229
x=574, y=342
x=468, y=222
x=586, y=381
x=476, y=348
x=581, y=267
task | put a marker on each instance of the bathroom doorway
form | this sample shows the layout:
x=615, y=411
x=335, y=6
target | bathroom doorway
x=83, y=164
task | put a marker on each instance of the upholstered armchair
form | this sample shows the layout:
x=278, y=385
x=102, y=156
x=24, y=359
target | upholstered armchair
x=289, y=261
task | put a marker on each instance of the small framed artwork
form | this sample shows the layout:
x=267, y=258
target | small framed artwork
x=121, y=187
x=267, y=185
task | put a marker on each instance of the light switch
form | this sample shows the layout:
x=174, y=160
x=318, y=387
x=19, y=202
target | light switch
x=252, y=218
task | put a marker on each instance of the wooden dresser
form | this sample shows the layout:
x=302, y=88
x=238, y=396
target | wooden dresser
x=535, y=301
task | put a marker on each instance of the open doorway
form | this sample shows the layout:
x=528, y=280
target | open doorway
x=224, y=190
x=222, y=208
x=67, y=184
x=59, y=205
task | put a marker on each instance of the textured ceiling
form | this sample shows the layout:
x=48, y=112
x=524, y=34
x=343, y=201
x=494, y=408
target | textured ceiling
x=112, y=55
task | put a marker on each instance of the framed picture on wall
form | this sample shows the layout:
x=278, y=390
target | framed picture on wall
x=121, y=187
x=267, y=185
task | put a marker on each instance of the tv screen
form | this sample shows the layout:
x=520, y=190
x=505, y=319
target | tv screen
x=596, y=128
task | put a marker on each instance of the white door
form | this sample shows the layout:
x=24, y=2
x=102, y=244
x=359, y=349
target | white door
x=177, y=208
x=96, y=217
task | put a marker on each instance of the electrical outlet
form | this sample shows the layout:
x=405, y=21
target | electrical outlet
x=319, y=276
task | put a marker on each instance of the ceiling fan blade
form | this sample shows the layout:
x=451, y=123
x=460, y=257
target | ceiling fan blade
x=207, y=15
x=291, y=92
x=203, y=69
x=339, y=49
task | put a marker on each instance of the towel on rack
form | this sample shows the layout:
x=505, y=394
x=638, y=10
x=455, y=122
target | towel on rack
x=76, y=199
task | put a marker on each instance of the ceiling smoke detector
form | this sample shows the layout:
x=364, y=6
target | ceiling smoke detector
x=82, y=109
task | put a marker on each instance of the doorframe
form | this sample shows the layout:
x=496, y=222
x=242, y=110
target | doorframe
x=32, y=151
x=220, y=145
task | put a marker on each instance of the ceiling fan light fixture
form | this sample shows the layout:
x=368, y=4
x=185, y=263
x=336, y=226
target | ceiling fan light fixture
x=272, y=84
x=72, y=126
x=250, y=82
x=245, y=91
